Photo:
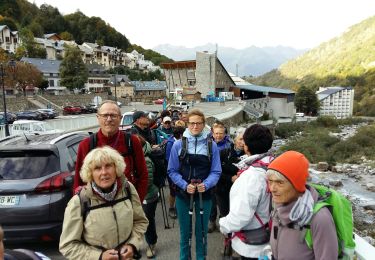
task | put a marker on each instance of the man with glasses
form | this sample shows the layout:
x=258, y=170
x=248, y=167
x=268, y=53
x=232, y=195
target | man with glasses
x=109, y=118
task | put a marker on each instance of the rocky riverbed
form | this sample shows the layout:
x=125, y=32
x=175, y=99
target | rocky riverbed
x=357, y=182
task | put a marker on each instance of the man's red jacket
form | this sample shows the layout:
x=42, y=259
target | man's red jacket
x=139, y=179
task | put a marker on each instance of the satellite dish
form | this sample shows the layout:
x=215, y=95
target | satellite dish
x=97, y=100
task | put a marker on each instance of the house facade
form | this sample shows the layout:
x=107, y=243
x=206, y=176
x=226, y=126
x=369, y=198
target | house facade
x=149, y=89
x=336, y=101
x=9, y=40
x=48, y=68
x=121, y=86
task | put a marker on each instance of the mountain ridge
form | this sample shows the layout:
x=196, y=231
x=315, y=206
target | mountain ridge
x=251, y=60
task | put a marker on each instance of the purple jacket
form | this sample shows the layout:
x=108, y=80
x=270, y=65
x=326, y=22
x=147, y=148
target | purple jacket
x=287, y=243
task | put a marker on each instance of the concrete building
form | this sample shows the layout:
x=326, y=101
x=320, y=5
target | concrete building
x=276, y=102
x=206, y=74
x=9, y=40
x=336, y=101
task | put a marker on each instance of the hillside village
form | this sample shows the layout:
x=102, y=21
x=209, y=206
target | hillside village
x=204, y=78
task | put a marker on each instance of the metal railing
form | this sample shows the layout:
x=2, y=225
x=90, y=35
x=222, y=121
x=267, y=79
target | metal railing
x=66, y=124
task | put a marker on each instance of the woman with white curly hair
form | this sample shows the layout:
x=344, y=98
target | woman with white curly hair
x=105, y=220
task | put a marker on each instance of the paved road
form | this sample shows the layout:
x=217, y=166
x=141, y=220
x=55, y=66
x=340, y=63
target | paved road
x=167, y=246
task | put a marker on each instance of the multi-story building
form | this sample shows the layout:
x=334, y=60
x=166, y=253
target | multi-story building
x=121, y=86
x=336, y=101
x=206, y=74
x=9, y=40
x=149, y=89
x=48, y=68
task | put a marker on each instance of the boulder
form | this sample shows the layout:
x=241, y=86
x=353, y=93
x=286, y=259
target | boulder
x=369, y=207
x=336, y=183
x=322, y=166
x=370, y=186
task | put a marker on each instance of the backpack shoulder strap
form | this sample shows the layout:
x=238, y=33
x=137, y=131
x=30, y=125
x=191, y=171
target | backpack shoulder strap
x=85, y=204
x=93, y=141
x=128, y=142
x=209, y=149
x=183, y=148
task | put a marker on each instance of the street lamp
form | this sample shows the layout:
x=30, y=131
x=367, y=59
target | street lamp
x=12, y=66
x=115, y=87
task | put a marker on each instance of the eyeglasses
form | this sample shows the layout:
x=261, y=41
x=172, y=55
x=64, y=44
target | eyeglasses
x=112, y=116
x=195, y=123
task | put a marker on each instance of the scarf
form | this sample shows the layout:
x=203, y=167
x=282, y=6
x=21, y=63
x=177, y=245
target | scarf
x=302, y=210
x=246, y=161
x=107, y=196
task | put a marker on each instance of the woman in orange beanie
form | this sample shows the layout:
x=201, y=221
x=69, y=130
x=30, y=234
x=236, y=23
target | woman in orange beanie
x=293, y=212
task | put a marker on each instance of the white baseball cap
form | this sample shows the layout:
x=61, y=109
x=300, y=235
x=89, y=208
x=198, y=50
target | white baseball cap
x=167, y=119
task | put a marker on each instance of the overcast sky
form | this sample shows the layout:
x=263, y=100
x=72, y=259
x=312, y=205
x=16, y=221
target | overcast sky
x=230, y=23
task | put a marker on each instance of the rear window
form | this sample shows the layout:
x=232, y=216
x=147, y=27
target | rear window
x=17, y=165
x=127, y=120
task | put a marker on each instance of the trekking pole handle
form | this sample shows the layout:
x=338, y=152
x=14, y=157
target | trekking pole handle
x=191, y=204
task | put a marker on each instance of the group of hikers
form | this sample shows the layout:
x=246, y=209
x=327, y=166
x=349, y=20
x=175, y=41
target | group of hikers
x=262, y=201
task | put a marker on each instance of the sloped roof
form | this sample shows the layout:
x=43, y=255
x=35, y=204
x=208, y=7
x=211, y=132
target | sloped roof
x=44, y=65
x=2, y=27
x=149, y=85
x=242, y=84
x=330, y=91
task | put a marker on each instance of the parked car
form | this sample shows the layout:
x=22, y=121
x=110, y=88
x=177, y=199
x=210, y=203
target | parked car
x=126, y=120
x=29, y=115
x=159, y=101
x=72, y=110
x=33, y=127
x=92, y=107
x=43, y=114
x=36, y=184
x=299, y=114
x=182, y=105
x=11, y=117
x=52, y=113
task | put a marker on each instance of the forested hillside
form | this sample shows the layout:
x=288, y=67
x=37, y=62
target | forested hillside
x=347, y=60
x=21, y=14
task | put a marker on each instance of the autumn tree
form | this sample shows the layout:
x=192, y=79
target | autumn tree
x=26, y=75
x=306, y=101
x=73, y=71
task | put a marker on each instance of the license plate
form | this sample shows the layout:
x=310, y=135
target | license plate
x=9, y=200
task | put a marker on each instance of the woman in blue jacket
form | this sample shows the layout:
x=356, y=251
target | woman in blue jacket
x=195, y=169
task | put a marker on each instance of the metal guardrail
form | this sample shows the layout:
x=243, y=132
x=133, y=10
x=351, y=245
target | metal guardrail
x=66, y=124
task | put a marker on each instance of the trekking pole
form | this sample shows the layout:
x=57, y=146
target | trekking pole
x=203, y=233
x=191, y=223
x=163, y=208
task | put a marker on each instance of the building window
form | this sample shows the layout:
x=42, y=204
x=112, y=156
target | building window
x=51, y=83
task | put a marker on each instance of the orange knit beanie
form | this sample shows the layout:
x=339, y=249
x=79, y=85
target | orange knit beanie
x=294, y=166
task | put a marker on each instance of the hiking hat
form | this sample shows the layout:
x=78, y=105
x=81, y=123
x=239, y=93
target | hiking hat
x=138, y=114
x=167, y=119
x=294, y=166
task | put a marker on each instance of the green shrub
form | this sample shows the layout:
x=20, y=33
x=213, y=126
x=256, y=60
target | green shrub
x=289, y=129
x=314, y=145
x=326, y=121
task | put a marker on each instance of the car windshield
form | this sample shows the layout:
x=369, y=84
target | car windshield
x=127, y=120
x=17, y=165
